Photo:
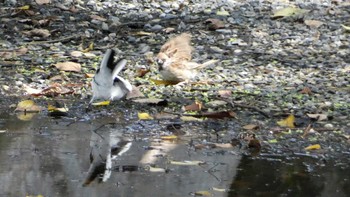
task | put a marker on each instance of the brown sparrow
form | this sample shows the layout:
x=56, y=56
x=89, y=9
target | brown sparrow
x=174, y=59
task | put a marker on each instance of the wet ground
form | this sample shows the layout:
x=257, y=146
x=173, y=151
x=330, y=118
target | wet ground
x=65, y=157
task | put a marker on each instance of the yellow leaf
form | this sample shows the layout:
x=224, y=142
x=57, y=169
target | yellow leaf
x=90, y=48
x=347, y=28
x=144, y=116
x=28, y=106
x=313, y=147
x=272, y=141
x=102, y=103
x=187, y=163
x=169, y=137
x=25, y=116
x=52, y=108
x=190, y=118
x=162, y=82
x=288, y=11
x=26, y=7
x=142, y=33
x=288, y=122
x=202, y=193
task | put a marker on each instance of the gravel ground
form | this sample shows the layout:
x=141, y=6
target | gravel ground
x=297, y=64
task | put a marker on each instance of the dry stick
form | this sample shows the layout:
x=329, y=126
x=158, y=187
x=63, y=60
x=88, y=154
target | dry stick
x=233, y=105
x=57, y=40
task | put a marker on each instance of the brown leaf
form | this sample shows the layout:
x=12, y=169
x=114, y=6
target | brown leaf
x=306, y=90
x=251, y=127
x=68, y=66
x=96, y=17
x=214, y=24
x=38, y=32
x=318, y=117
x=313, y=23
x=196, y=106
x=135, y=93
x=216, y=115
x=42, y=2
x=13, y=53
x=142, y=72
x=225, y=93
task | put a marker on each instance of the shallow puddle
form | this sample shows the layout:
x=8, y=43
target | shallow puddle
x=64, y=157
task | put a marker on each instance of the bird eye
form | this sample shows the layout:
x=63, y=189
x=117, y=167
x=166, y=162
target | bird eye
x=116, y=80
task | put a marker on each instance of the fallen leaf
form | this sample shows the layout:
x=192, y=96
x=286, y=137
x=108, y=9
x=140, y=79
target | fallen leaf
x=251, y=127
x=222, y=13
x=89, y=75
x=203, y=193
x=225, y=93
x=168, y=30
x=288, y=11
x=288, y=122
x=25, y=116
x=214, y=24
x=306, y=90
x=164, y=115
x=135, y=93
x=141, y=72
x=57, y=110
x=187, y=163
x=313, y=147
x=153, y=169
x=26, y=7
x=68, y=66
x=38, y=32
x=162, y=82
x=142, y=33
x=76, y=53
x=196, y=106
x=42, y=2
x=347, y=28
x=152, y=101
x=96, y=17
x=28, y=106
x=313, y=23
x=89, y=48
x=318, y=117
x=190, y=118
x=144, y=116
x=169, y=137
x=102, y=103
x=215, y=115
x=225, y=145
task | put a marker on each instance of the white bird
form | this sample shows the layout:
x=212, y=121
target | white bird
x=106, y=83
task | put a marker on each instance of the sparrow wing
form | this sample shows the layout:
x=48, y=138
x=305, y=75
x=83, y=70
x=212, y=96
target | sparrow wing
x=178, y=47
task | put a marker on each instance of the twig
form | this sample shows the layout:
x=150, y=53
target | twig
x=233, y=104
x=57, y=40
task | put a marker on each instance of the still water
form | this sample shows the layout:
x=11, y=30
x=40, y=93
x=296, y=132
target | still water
x=67, y=157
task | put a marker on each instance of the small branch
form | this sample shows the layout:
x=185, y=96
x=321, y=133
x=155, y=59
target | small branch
x=57, y=40
x=233, y=105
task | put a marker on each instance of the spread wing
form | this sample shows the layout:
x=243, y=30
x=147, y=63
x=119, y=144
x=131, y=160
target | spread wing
x=178, y=47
